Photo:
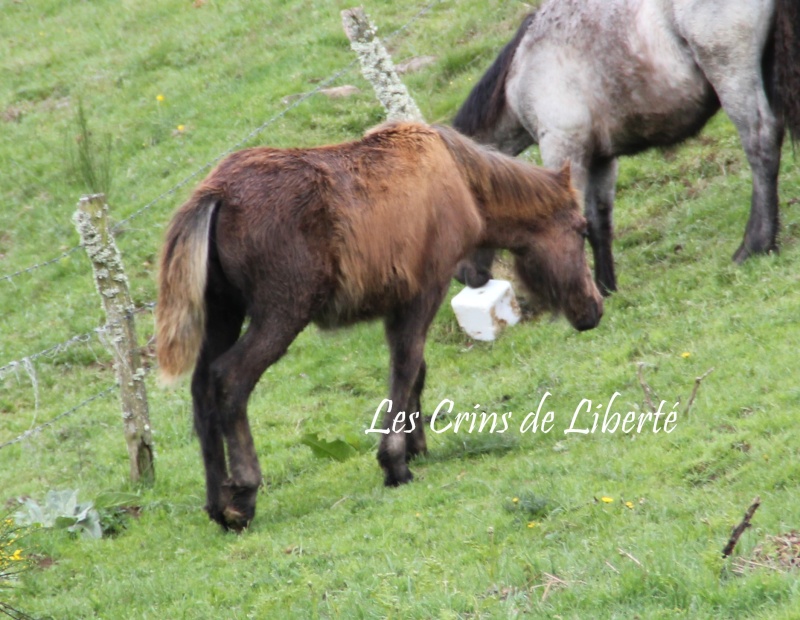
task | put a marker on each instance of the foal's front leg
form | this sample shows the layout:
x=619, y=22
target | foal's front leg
x=415, y=440
x=406, y=328
x=406, y=360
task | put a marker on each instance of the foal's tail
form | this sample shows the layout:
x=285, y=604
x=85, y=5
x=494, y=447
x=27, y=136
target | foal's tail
x=180, y=311
x=787, y=63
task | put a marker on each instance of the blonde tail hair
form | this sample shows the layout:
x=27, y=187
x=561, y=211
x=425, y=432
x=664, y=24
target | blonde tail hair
x=180, y=311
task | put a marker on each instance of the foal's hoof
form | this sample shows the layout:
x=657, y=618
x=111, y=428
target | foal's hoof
x=235, y=520
x=395, y=479
x=237, y=506
x=230, y=518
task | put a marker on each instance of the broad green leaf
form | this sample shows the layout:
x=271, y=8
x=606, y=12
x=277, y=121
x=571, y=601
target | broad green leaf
x=337, y=449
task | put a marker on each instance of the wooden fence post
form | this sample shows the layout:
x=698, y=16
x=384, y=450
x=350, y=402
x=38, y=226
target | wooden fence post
x=91, y=221
x=378, y=68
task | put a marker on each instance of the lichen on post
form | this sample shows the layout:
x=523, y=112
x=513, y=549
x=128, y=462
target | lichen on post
x=91, y=221
x=378, y=68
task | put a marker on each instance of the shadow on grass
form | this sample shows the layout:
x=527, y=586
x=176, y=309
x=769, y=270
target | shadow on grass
x=457, y=446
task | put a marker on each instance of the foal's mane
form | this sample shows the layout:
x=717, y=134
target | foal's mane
x=488, y=99
x=504, y=184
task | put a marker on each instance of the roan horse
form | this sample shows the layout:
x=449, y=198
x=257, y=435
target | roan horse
x=340, y=234
x=592, y=80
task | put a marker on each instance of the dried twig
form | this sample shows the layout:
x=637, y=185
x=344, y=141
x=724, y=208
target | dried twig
x=552, y=580
x=630, y=557
x=612, y=567
x=648, y=391
x=335, y=504
x=697, y=382
x=739, y=529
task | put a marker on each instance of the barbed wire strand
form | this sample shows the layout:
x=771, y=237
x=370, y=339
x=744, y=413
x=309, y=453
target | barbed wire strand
x=55, y=349
x=301, y=99
x=36, y=430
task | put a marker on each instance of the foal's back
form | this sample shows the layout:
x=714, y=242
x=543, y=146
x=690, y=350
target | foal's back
x=366, y=224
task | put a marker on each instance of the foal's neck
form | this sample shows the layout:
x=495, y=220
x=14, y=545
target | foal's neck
x=513, y=196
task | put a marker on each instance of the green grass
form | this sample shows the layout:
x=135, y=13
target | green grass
x=328, y=539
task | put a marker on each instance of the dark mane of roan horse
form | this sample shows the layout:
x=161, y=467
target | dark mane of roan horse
x=787, y=45
x=488, y=98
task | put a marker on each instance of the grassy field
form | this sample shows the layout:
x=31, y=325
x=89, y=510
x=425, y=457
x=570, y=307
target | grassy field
x=543, y=525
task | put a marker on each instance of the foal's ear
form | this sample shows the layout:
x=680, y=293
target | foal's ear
x=565, y=174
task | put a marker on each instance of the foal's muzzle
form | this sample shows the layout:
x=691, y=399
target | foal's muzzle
x=591, y=317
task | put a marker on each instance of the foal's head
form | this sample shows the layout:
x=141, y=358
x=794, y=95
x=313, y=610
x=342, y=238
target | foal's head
x=552, y=265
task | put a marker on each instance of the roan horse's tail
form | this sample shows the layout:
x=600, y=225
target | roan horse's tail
x=180, y=311
x=787, y=63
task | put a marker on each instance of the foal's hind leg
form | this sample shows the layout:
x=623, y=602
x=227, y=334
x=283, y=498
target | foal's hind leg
x=223, y=324
x=235, y=375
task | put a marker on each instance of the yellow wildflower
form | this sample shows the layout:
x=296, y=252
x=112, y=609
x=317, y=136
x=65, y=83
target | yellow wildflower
x=606, y=500
x=686, y=355
x=181, y=128
x=629, y=505
x=515, y=500
x=159, y=98
x=16, y=556
x=532, y=524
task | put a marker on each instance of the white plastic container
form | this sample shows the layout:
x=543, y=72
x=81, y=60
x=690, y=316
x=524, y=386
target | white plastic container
x=484, y=312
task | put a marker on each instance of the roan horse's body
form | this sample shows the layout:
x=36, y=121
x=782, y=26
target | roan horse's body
x=595, y=79
x=339, y=234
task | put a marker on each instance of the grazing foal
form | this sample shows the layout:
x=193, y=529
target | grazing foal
x=340, y=234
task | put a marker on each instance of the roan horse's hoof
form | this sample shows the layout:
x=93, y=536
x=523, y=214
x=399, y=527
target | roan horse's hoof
x=744, y=252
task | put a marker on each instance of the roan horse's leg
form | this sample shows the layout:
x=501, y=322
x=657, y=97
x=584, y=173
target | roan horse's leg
x=406, y=328
x=729, y=47
x=476, y=270
x=599, y=206
x=234, y=377
x=595, y=178
x=762, y=137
